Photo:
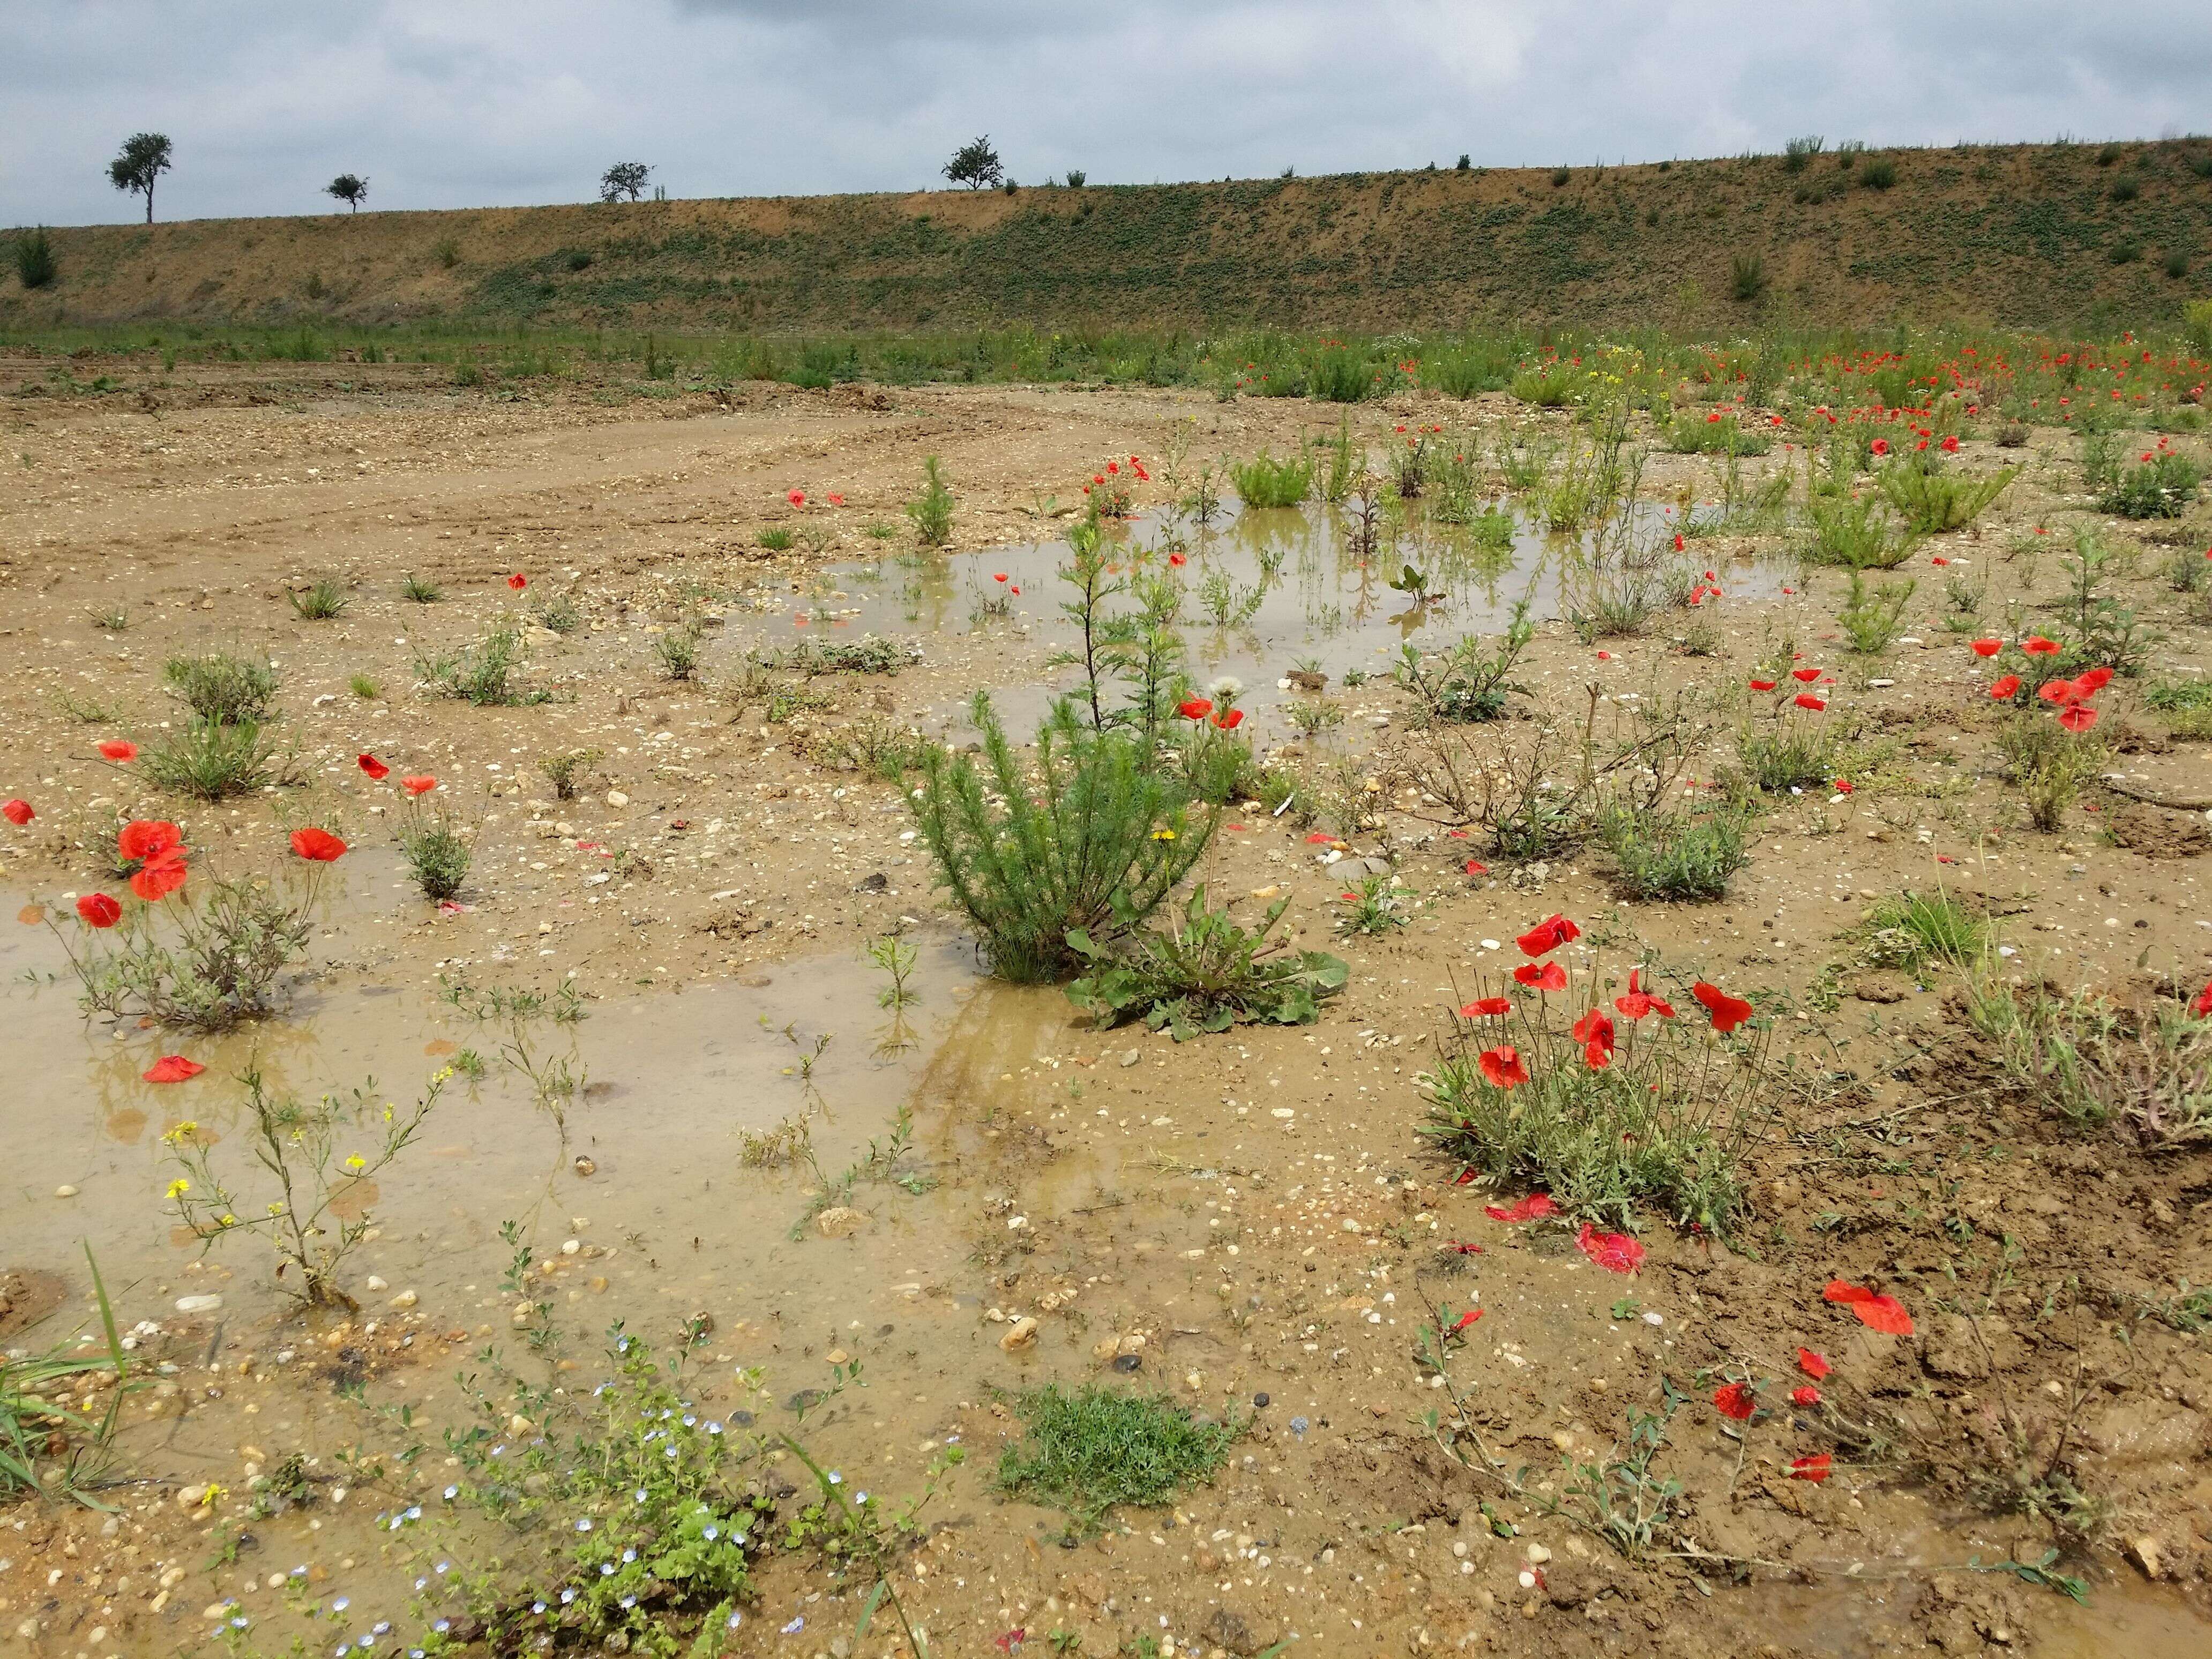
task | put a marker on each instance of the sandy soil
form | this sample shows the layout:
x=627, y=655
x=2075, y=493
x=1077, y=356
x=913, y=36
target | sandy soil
x=1247, y=1215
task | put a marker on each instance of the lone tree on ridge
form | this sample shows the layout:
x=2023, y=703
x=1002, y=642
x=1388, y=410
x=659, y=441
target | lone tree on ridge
x=145, y=157
x=976, y=164
x=348, y=189
x=624, y=178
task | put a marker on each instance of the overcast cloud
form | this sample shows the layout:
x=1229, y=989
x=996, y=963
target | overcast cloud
x=463, y=103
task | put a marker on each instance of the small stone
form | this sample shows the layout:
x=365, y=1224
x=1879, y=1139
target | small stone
x=1020, y=1334
x=584, y=1166
x=215, y=1610
x=1538, y=1554
x=836, y=1356
x=373, y=1282
x=615, y=797
x=197, y=1304
x=64, y=1191
x=2144, y=1552
x=405, y=1299
x=839, y=1221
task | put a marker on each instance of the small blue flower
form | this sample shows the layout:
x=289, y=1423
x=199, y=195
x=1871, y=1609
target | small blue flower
x=538, y=1606
x=444, y=1566
x=714, y=1428
x=606, y=1569
x=566, y=1597
x=668, y=1451
x=736, y=1620
x=421, y=1583
x=240, y=1622
x=835, y=1478
x=415, y=1512
x=711, y=1534
x=341, y=1604
x=452, y=1492
x=795, y=1625
x=442, y=1626
x=584, y=1525
x=690, y=1421
x=381, y=1627
x=629, y=1556
x=628, y=1602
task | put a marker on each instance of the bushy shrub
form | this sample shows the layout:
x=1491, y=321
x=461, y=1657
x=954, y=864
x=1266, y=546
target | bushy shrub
x=1607, y=1110
x=1203, y=973
x=486, y=673
x=1095, y=835
x=931, y=512
x=210, y=760
x=1934, y=501
x=1264, y=481
x=1675, y=855
x=1862, y=535
x=35, y=265
x=214, y=963
x=217, y=685
x=2161, y=486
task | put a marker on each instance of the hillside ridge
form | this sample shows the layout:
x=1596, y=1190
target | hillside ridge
x=2020, y=235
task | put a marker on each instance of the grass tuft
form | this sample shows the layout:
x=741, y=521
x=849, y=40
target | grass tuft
x=1094, y=1449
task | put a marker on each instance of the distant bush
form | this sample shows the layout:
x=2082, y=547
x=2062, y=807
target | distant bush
x=2160, y=488
x=1746, y=276
x=34, y=258
x=2126, y=188
x=1075, y=177
x=1798, y=154
x=932, y=510
x=1560, y=176
x=1878, y=174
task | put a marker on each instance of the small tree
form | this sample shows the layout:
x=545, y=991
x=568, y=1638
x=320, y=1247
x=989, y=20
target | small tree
x=976, y=164
x=34, y=257
x=623, y=180
x=348, y=189
x=145, y=157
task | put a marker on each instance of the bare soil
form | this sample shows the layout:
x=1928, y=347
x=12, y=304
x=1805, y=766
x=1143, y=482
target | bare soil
x=1250, y=1215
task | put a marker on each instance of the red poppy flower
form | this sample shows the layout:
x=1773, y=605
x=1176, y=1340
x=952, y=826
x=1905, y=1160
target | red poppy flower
x=99, y=910
x=999, y=576
x=1486, y=1005
x=1504, y=1067
x=377, y=770
x=1677, y=542
x=1594, y=1029
x=1231, y=720
x=1813, y=1365
x=1738, y=1401
x=1810, y=1468
x=1477, y=867
x=159, y=876
x=1843, y=786
x=2039, y=646
x=1534, y=1207
x=1762, y=685
x=837, y=501
x=1548, y=935
x=1728, y=1011
x=121, y=751
x=1639, y=1002
x=2094, y=681
x=1805, y=676
x=2005, y=687
x=17, y=813
x=149, y=838
x=1319, y=838
x=1615, y=1252
x=318, y=846
x=1548, y=977
x=2059, y=691
x=1178, y=560
x=1194, y=709
x=1881, y=1313
x=1467, y=1318
x=1881, y=446
x=797, y=498
x=421, y=785
x=2202, y=1007
x=1806, y=1395
x=172, y=1068
x=1807, y=700
x=1015, y=588
x=1987, y=647
x=2079, y=718
x=518, y=582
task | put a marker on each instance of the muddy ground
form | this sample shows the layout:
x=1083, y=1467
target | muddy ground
x=1249, y=1217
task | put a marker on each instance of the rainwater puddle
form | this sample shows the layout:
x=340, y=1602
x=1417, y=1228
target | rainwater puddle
x=1287, y=577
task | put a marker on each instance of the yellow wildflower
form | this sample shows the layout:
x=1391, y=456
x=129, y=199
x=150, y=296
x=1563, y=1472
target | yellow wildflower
x=357, y=1162
x=180, y=1187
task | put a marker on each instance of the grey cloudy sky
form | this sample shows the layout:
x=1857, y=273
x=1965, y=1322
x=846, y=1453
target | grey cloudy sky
x=458, y=103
